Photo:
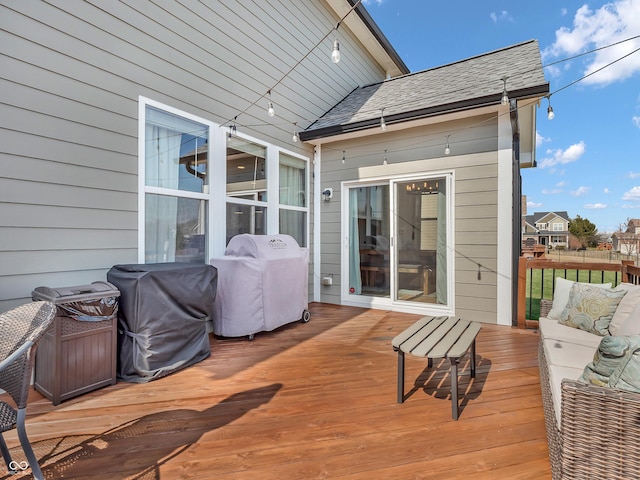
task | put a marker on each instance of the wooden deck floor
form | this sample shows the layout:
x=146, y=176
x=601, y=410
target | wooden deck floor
x=308, y=401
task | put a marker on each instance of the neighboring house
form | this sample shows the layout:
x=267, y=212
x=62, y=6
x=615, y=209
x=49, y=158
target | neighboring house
x=139, y=133
x=547, y=228
x=627, y=242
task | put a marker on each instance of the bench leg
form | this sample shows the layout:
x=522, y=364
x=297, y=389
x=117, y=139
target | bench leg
x=454, y=388
x=400, y=376
x=473, y=359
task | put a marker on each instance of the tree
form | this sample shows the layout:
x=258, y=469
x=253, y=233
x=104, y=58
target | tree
x=584, y=231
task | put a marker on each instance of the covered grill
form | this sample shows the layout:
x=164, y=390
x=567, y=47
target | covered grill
x=262, y=285
x=162, y=319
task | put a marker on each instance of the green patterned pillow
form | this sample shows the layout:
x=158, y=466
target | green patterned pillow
x=616, y=364
x=591, y=308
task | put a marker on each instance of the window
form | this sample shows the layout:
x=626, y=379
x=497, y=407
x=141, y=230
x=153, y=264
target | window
x=175, y=172
x=246, y=188
x=293, y=198
x=194, y=198
x=558, y=227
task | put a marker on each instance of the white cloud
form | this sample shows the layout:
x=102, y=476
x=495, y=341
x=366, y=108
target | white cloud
x=605, y=190
x=540, y=139
x=633, y=175
x=534, y=204
x=564, y=11
x=580, y=191
x=561, y=184
x=559, y=156
x=635, y=120
x=633, y=194
x=595, y=205
x=592, y=29
x=501, y=16
x=370, y=2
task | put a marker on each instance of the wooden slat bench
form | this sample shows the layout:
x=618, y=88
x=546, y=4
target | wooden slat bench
x=434, y=338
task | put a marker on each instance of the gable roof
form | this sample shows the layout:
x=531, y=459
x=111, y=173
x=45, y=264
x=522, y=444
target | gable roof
x=463, y=85
x=537, y=216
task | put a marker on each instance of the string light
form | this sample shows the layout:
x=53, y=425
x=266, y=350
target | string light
x=384, y=162
x=550, y=114
x=343, y=157
x=504, y=78
x=232, y=127
x=505, y=96
x=295, y=133
x=270, y=110
x=383, y=124
x=447, y=150
x=335, y=53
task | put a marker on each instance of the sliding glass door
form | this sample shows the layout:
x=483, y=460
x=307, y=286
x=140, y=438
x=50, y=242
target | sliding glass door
x=397, y=247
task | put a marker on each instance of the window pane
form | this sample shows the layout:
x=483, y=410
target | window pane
x=369, y=233
x=293, y=181
x=245, y=219
x=246, y=169
x=175, y=229
x=422, y=241
x=176, y=151
x=294, y=223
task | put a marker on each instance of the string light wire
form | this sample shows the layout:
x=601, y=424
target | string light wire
x=292, y=68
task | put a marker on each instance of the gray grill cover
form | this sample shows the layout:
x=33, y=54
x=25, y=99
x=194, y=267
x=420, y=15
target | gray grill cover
x=263, y=283
x=162, y=315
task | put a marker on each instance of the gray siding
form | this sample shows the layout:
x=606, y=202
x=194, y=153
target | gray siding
x=70, y=77
x=417, y=150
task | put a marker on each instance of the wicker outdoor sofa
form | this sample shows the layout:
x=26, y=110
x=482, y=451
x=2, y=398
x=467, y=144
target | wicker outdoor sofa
x=593, y=431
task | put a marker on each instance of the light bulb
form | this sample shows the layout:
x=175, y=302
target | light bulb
x=384, y=162
x=550, y=114
x=335, y=54
x=343, y=157
x=447, y=150
x=270, y=110
x=505, y=96
x=295, y=136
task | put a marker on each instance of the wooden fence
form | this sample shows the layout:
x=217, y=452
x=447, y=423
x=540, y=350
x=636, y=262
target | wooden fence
x=536, y=280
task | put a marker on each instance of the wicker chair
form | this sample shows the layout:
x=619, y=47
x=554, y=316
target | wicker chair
x=600, y=428
x=20, y=331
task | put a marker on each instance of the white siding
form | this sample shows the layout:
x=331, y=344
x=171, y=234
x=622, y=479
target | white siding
x=71, y=74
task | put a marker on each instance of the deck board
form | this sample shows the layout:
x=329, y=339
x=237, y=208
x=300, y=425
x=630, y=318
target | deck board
x=308, y=401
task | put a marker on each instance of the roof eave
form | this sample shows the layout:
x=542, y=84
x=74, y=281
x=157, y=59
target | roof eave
x=380, y=37
x=468, y=104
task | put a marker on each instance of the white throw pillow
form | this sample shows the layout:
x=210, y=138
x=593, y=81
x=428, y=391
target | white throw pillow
x=561, y=296
x=631, y=324
x=625, y=307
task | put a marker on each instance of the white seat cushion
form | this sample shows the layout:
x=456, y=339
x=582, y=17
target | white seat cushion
x=556, y=374
x=551, y=329
x=565, y=354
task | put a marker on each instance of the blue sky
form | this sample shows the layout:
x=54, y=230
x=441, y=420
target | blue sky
x=589, y=154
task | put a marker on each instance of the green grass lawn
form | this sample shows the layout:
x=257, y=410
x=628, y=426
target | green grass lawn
x=540, y=285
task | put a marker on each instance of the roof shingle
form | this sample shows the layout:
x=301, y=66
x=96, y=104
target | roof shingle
x=471, y=82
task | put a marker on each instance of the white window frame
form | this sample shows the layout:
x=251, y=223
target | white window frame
x=215, y=191
x=558, y=227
